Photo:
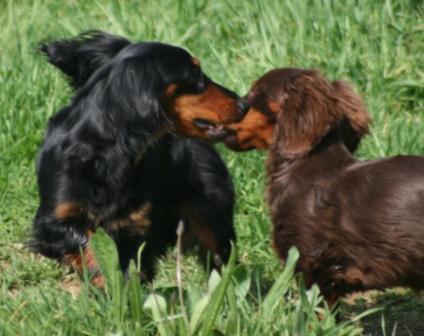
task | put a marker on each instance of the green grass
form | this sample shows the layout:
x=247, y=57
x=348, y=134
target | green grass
x=376, y=45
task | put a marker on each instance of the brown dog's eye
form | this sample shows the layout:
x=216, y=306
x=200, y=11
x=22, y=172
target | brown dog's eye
x=253, y=94
x=254, y=91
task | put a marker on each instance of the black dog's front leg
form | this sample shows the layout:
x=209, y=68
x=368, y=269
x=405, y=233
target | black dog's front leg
x=63, y=234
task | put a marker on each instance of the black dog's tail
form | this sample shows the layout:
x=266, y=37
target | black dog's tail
x=81, y=56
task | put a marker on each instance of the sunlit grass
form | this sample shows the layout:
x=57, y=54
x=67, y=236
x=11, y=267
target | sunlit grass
x=376, y=45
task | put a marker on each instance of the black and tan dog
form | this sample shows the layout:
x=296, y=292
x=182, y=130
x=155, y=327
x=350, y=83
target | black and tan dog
x=119, y=155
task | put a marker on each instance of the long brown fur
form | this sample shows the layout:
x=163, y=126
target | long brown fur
x=358, y=225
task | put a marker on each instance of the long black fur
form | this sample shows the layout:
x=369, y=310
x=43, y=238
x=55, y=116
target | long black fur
x=103, y=152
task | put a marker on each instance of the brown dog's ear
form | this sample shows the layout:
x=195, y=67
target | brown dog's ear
x=308, y=113
x=357, y=120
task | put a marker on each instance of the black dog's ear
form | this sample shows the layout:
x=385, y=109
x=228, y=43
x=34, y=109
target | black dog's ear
x=119, y=116
x=132, y=96
x=81, y=56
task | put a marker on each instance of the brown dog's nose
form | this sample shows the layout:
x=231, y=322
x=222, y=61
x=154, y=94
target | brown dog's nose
x=243, y=106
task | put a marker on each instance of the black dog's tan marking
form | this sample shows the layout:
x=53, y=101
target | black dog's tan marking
x=186, y=108
x=67, y=210
x=86, y=260
x=137, y=221
x=117, y=155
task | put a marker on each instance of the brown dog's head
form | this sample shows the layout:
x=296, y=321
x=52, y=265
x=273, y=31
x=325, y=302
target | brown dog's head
x=296, y=108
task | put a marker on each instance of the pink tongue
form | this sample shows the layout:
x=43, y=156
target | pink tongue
x=230, y=138
x=217, y=132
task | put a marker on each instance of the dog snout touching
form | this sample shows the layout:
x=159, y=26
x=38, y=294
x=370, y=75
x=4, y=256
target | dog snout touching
x=243, y=106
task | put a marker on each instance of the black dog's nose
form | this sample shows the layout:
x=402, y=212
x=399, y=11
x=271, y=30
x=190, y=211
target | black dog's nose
x=243, y=106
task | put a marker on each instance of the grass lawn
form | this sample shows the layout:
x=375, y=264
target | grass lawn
x=376, y=45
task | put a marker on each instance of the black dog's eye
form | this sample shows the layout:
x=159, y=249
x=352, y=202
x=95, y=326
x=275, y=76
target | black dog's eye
x=201, y=85
x=193, y=77
x=195, y=82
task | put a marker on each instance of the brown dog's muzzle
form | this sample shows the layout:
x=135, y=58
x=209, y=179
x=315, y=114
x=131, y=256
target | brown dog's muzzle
x=254, y=131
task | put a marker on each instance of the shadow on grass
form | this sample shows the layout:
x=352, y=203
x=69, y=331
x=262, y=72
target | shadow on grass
x=403, y=312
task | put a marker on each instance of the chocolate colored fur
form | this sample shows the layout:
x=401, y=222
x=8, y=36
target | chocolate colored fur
x=358, y=224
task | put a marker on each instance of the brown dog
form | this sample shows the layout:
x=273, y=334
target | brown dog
x=358, y=224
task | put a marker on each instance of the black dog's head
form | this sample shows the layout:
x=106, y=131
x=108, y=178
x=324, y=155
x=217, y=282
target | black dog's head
x=151, y=85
